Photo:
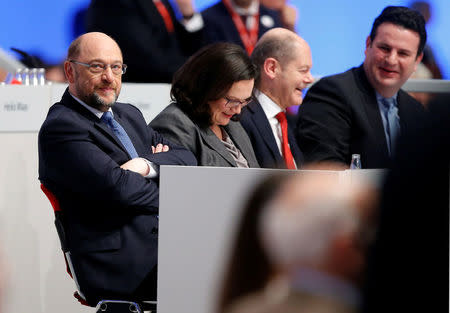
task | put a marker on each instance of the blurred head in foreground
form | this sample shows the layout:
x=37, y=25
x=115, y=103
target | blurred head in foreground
x=313, y=222
x=308, y=235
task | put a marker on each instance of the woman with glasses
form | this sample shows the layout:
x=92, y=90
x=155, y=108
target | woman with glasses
x=208, y=93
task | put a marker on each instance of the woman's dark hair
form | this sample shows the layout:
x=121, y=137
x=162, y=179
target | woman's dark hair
x=207, y=76
x=249, y=269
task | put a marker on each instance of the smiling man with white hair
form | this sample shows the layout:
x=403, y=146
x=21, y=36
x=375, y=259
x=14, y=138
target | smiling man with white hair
x=283, y=61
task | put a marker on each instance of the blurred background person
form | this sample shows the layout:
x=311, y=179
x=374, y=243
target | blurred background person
x=241, y=22
x=429, y=59
x=3, y=74
x=288, y=13
x=310, y=230
x=283, y=61
x=154, y=43
x=208, y=91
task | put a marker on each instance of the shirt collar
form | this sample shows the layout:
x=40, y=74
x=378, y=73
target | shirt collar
x=251, y=10
x=380, y=98
x=94, y=111
x=269, y=107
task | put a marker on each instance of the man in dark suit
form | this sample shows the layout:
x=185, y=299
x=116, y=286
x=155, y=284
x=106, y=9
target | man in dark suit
x=100, y=160
x=154, y=43
x=283, y=61
x=238, y=21
x=363, y=110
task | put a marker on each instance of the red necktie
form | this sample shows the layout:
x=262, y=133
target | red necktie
x=287, y=154
x=165, y=15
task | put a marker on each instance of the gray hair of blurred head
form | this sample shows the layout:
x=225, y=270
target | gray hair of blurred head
x=303, y=233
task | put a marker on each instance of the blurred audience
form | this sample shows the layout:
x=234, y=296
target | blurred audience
x=309, y=233
x=362, y=110
x=53, y=72
x=238, y=21
x=429, y=59
x=154, y=43
x=283, y=61
x=288, y=13
x=208, y=91
x=79, y=22
x=3, y=74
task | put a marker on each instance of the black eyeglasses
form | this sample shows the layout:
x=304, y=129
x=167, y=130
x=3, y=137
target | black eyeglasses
x=99, y=67
x=232, y=103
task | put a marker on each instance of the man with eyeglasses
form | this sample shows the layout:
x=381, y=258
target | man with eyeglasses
x=101, y=161
x=283, y=60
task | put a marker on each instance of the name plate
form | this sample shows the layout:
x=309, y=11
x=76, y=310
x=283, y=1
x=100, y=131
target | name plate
x=23, y=108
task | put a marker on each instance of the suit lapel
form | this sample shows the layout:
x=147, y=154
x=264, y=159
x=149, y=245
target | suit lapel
x=70, y=102
x=214, y=143
x=296, y=152
x=372, y=111
x=262, y=28
x=262, y=124
x=405, y=115
x=129, y=129
x=228, y=25
x=102, y=127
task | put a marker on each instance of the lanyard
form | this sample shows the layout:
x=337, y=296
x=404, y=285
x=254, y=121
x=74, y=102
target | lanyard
x=165, y=15
x=248, y=37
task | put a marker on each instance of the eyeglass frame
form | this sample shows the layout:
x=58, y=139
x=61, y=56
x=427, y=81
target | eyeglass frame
x=237, y=102
x=105, y=66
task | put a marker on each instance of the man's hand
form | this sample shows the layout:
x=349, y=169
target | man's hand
x=289, y=17
x=186, y=7
x=137, y=165
x=160, y=148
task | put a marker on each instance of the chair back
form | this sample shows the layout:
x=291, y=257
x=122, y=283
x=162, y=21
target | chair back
x=59, y=224
x=103, y=305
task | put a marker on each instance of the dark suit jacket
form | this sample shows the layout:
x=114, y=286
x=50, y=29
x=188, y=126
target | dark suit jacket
x=109, y=213
x=340, y=117
x=219, y=26
x=150, y=51
x=257, y=126
x=176, y=126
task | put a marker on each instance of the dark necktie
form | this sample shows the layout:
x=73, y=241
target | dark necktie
x=287, y=154
x=120, y=133
x=392, y=122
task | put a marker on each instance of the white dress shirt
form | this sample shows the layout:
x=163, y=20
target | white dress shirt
x=271, y=109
